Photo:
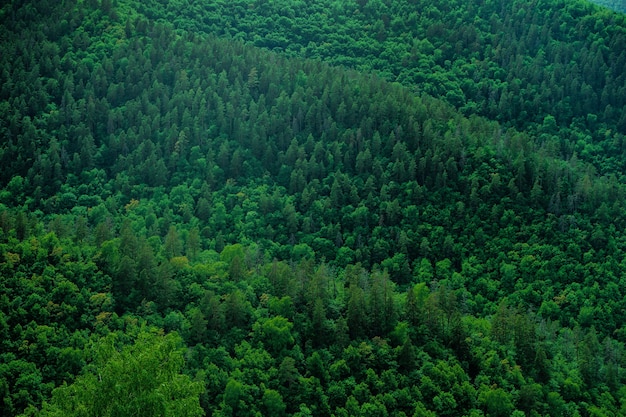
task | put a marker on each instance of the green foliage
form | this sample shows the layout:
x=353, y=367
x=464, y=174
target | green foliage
x=616, y=5
x=274, y=333
x=313, y=196
x=143, y=378
x=496, y=402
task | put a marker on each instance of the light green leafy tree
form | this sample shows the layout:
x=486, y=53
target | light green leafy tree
x=143, y=379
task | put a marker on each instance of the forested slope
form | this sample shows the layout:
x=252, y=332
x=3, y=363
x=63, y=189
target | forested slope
x=617, y=5
x=325, y=241
x=512, y=61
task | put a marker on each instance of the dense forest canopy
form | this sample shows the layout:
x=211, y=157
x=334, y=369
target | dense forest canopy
x=508, y=60
x=617, y=5
x=320, y=208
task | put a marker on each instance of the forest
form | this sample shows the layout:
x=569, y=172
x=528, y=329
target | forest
x=312, y=208
x=617, y=5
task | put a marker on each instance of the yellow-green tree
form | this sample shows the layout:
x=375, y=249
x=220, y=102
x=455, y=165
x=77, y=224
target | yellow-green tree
x=142, y=379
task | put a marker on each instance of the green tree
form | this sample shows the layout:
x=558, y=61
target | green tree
x=274, y=333
x=496, y=402
x=357, y=318
x=173, y=246
x=140, y=379
x=273, y=403
x=193, y=243
x=232, y=398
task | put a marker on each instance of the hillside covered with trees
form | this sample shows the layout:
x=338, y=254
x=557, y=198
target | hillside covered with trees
x=617, y=5
x=244, y=208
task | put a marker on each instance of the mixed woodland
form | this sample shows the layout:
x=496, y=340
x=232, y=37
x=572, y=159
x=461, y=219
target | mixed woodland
x=617, y=5
x=312, y=208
